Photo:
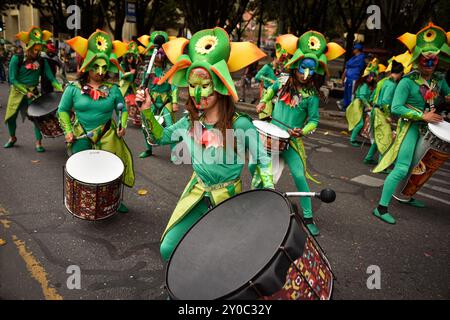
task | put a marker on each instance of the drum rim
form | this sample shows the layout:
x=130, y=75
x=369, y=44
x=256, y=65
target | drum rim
x=434, y=125
x=266, y=133
x=90, y=183
x=246, y=284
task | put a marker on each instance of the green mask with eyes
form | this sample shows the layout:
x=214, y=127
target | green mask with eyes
x=200, y=84
x=99, y=66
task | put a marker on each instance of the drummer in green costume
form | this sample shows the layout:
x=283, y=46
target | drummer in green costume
x=128, y=65
x=413, y=97
x=24, y=75
x=94, y=102
x=216, y=159
x=297, y=106
x=164, y=96
x=380, y=116
x=361, y=103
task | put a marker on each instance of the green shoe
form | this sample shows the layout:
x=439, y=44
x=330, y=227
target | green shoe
x=10, y=144
x=370, y=161
x=122, y=208
x=385, y=217
x=355, y=143
x=414, y=202
x=39, y=149
x=313, y=229
x=386, y=171
x=145, y=154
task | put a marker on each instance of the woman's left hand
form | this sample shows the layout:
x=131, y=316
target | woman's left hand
x=296, y=132
x=120, y=132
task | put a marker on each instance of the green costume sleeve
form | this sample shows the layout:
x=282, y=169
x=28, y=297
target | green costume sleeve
x=270, y=92
x=399, y=102
x=313, y=115
x=386, y=98
x=363, y=93
x=13, y=72
x=257, y=151
x=64, y=108
x=174, y=94
x=159, y=134
x=50, y=76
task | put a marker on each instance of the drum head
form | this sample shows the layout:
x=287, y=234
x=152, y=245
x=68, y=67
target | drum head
x=45, y=104
x=440, y=130
x=271, y=129
x=94, y=166
x=229, y=246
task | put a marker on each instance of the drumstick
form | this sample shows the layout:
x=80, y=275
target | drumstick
x=89, y=135
x=119, y=107
x=276, y=120
x=326, y=195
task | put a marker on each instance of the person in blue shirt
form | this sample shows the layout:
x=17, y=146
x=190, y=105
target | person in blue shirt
x=352, y=72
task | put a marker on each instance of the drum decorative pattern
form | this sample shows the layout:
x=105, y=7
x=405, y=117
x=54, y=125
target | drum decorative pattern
x=365, y=132
x=278, y=144
x=90, y=201
x=49, y=126
x=315, y=270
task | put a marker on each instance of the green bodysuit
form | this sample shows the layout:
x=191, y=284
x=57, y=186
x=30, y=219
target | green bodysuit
x=267, y=75
x=95, y=116
x=355, y=111
x=24, y=80
x=380, y=117
x=409, y=104
x=217, y=174
x=302, y=114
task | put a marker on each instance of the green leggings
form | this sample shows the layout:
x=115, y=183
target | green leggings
x=297, y=169
x=12, y=126
x=357, y=129
x=402, y=165
x=373, y=149
x=174, y=235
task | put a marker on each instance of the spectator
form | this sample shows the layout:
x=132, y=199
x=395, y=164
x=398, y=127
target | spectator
x=3, y=58
x=352, y=72
x=246, y=81
x=54, y=63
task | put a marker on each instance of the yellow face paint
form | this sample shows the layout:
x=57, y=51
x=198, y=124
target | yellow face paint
x=200, y=86
x=99, y=66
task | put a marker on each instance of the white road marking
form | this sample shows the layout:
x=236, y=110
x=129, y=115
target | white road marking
x=426, y=195
x=368, y=181
x=436, y=188
x=439, y=180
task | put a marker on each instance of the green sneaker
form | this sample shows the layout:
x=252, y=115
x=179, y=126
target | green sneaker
x=385, y=217
x=414, y=202
x=145, y=154
x=122, y=208
x=355, y=143
x=39, y=149
x=10, y=143
x=370, y=161
x=313, y=229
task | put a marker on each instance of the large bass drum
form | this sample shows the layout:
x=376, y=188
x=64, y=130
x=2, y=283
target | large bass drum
x=432, y=150
x=42, y=111
x=251, y=246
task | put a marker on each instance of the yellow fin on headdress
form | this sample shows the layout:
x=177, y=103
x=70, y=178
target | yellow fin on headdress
x=288, y=42
x=381, y=68
x=334, y=51
x=144, y=39
x=172, y=38
x=243, y=54
x=409, y=40
x=174, y=48
x=119, y=48
x=79, y=45
x=23, y=36
x=46, y=35
x=448, y=38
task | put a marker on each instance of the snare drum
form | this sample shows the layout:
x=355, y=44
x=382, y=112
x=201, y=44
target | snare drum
x=42, y=111
x=93, y=184
x=251, y=246
x=274, y=139
x=432, y=150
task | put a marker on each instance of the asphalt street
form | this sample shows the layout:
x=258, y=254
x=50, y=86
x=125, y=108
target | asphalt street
x=119, y=257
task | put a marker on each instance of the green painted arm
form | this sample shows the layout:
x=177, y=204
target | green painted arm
x=64, y=121
x=313, y=116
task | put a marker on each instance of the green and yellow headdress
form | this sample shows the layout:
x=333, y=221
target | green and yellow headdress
x=212, y=50
x=149, y=40
x=404, y=59
x=133, y=49
x=431, y=40
x=99, y=46
x=33, y=37
x=374, y=67
x=312, y=45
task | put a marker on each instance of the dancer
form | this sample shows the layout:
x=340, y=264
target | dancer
x=24, y=74
x=297, y=105
x=94, y=101
x=413, y=97
x=216, y=156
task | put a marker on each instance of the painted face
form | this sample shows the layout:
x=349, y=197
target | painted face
x=35, y=51
x=307, y=67
x=429, y=61
x=201, y=87
x=99, y=67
